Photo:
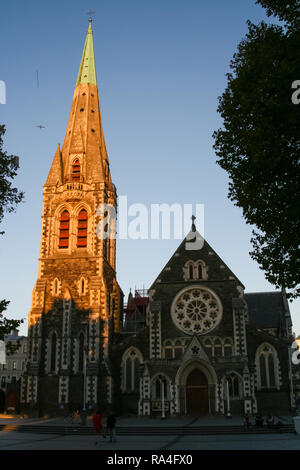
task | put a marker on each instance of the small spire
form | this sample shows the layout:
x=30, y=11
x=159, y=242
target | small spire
x=193, y=223
x=87, y=70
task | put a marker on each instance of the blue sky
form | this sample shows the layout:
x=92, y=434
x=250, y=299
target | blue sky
x=161, y=65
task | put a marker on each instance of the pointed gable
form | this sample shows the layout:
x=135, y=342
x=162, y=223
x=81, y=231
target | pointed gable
x=56, y=170
x=196, y=251
x=195, y=350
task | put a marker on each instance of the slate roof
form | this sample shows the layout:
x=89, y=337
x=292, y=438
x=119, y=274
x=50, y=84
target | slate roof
x=266, y=309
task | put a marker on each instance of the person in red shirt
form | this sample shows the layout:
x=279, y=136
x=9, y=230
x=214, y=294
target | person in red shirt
x=97, y=423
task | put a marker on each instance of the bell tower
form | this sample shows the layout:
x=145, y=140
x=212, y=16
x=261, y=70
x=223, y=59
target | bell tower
x=76, y=301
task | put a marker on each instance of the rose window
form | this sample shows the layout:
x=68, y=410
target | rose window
x=196, y=310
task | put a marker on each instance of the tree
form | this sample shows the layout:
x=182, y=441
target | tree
x=9, y=164
x=9, y=198
x=6, y=326
x=259, y=144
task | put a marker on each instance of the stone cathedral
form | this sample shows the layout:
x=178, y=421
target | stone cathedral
x=193, y=343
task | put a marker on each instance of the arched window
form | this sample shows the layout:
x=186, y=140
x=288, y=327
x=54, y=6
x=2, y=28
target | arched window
x=271, y=370
x=81, y=352
x=128, y=365
x=136, y=373
x=76, y=170
x=64, y=228
x=159, y=386
x=195, y=270
x=53, y=352
x=263, y=371
x=82, y=229
x=199, y=271
x=55, y=286
x=234, y=386
x=267, y=365
x=131, y=370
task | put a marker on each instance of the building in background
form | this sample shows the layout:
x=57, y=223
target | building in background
x=11, y=371
x=135, y=311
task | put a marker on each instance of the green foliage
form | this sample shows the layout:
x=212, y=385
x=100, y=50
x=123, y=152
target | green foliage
x=286, y=10
x=9, y=197
x=259, y=145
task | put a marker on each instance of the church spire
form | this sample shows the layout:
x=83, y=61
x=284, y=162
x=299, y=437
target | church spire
x=84, y=144
x=87, y=69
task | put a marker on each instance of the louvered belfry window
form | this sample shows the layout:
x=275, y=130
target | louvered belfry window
x=64, y=230
x=82, y=229
x=76, y=170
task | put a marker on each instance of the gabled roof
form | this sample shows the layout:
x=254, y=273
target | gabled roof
x=266, y=309
x=201, y=247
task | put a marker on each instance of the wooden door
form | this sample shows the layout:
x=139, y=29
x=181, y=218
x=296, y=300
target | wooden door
x=197, y=402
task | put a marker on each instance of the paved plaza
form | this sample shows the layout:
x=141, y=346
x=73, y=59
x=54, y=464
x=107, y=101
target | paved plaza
x=10, y=439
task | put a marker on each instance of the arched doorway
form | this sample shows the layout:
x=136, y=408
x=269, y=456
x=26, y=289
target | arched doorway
x=197, y=393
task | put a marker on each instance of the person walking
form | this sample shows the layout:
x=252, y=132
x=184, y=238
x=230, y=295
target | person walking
x=97, y=423
x=76, y=417
x=111, y=427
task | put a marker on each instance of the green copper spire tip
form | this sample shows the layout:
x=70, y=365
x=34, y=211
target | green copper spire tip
x=87, y=70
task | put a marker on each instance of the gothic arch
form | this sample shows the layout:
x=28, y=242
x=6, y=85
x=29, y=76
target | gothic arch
x=267, y=367
x=55, y=225
x=130, y=369
x=195, y=270
x=235, y=384
x=52, y=351
x=186, y=399
x=56, y=287
x=187, y=367
x=156, y=386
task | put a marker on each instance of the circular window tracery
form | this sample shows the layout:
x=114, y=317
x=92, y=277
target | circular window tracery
x=196, y=310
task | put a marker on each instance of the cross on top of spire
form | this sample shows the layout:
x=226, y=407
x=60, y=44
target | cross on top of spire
x=90, y=13
x=193, y=223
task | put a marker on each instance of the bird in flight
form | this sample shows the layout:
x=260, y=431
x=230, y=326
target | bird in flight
x=40, y=126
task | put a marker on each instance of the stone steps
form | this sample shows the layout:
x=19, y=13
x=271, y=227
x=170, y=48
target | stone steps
x=149, y=430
